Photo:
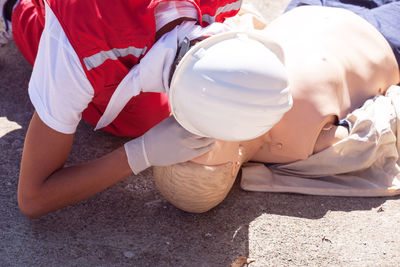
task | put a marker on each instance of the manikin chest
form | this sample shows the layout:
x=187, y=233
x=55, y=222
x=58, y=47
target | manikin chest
x=335, y=60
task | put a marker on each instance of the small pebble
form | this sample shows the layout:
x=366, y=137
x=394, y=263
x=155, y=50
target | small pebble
x=129, y=187
x=128, y=254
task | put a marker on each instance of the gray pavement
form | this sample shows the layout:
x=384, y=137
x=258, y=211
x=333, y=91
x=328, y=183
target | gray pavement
x=130, y=224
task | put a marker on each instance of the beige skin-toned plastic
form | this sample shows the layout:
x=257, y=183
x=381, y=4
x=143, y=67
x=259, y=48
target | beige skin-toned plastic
x=335, y=60
x=204, y=182
x=198, y=186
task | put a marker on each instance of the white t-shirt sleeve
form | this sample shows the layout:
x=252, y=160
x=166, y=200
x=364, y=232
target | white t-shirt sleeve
x=58, y=88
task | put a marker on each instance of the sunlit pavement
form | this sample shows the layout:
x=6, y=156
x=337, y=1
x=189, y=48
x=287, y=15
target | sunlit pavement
x=130, y=224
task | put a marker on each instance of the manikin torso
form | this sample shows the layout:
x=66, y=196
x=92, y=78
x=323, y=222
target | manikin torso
x=335, y=60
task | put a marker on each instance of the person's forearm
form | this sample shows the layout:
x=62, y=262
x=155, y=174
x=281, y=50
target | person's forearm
x=81, y=181
x=72, y=184
x=46, y=185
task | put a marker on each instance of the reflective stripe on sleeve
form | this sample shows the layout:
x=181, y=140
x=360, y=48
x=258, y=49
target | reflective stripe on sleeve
x=97, y=59
x=228, y=7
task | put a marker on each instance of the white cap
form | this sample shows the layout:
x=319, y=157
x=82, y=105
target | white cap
x=232, y=86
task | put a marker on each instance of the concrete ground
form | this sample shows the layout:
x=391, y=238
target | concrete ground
x=130, y=224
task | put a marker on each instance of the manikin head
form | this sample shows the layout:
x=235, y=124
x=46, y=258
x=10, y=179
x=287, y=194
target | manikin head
x=202, y=183
x=194, y=187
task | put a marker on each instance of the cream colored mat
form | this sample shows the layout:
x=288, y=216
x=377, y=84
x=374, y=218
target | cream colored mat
x=366, y=163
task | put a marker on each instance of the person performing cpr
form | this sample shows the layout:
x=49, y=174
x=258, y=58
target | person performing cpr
x=79, y=62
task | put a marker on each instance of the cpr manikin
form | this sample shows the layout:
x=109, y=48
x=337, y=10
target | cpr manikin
x=202, y=183
x=335, y=61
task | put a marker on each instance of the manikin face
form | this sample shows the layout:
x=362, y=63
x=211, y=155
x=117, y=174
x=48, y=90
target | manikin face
x=235, y=152
x=203, y=183
x=223, y=152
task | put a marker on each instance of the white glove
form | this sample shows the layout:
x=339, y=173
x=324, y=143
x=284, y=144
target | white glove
x=166, y=143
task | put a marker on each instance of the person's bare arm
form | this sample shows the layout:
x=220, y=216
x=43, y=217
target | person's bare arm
x=45, y=185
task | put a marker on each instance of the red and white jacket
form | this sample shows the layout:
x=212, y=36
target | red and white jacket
x=110, y=37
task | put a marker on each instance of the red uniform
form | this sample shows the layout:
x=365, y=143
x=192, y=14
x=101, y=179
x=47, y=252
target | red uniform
x=110, y=37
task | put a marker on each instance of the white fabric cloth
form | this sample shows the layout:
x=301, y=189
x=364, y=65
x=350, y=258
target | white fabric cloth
x=152, y=74
x=58, y=88
x=366, y=163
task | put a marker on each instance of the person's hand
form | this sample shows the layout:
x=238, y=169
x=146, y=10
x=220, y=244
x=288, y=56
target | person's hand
x=166, y=143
